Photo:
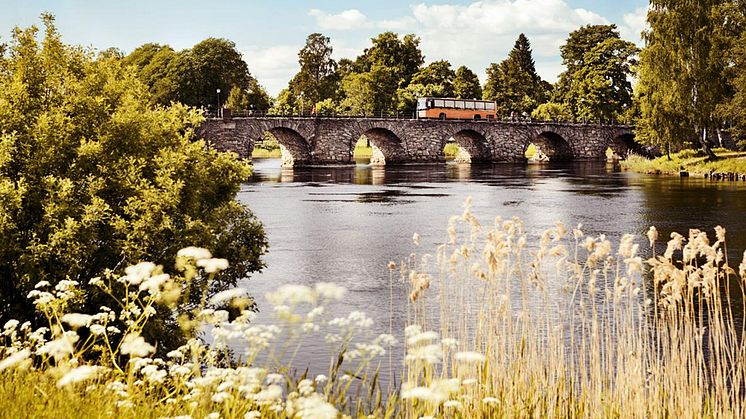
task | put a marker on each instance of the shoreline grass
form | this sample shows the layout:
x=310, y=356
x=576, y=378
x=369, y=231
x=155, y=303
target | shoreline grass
x=566, y=325
x=690, y=161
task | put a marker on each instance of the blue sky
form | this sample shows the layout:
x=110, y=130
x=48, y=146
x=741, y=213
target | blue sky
x=270, y=33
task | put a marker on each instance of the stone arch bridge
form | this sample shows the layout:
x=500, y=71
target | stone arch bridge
x=326, y=141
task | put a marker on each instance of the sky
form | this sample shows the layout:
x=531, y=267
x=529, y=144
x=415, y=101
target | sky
x=269, y=34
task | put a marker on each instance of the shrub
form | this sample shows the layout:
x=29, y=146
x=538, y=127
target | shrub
x=93, y=178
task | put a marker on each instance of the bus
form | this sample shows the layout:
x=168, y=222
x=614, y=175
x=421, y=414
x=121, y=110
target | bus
x=450, y=108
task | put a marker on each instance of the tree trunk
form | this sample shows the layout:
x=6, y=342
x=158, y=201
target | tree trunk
x=705, y=143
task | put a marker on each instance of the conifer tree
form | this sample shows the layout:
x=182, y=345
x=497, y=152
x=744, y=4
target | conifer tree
x=514, y=83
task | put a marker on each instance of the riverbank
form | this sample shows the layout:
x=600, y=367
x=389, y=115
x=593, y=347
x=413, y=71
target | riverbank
x=691, y=163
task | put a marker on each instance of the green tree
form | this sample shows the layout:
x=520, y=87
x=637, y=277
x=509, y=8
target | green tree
x=437, y=73
x=212, y=64
x=514, y=83
x=596, y=83
x=684, y=72
x=284, y=104
x=92, y=177
x=253, y=99
x=317, y=79
x=358, y=89
x=407, y=97
x=389, y=64
x=466, y=84
x=552, y=112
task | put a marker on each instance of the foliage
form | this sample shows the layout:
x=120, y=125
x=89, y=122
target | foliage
x=595, y=84
x=92, y=177
x=408, y=96
x=552, y=112
x=372, y=81
x=514, y=83
x=194, y=75
x=104, y=355
x=697, y=164
x=466, y=84
x=684, y=71
x=437, y=73
x=317, y=79
x=285, y=104
x=556, y=327
x=253, y=99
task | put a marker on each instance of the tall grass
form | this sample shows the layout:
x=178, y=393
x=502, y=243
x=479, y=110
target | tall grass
x=499, y=325
x=573, y=328
x=694, y=162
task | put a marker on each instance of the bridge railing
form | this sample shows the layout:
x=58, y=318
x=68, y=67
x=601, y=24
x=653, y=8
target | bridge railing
x=227, y=114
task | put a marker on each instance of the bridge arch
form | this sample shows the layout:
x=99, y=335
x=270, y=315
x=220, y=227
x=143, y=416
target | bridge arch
x=623, y=144
x=553, y=145
x=472, y=146
x=387, y=146
x=295, y=149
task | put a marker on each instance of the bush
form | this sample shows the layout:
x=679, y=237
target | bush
x=93, y=178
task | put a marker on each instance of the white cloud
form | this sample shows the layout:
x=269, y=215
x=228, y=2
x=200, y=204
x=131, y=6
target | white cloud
x=634, y=23
x=273, y=66
x=346, y=20
x=478, y=33
x=485, y=31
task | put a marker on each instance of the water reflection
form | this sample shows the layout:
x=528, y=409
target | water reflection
x=344, y=224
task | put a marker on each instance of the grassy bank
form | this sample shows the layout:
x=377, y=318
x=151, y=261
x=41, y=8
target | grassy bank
x=557, y=327
x=691, y=161
x=262, y=153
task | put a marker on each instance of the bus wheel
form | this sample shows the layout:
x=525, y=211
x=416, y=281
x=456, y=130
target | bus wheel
x=442, y=116
x=477, y=117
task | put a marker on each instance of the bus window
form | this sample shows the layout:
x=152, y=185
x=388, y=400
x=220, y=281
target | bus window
x=449, y=104
x=480, y=105
x=439, y=103
x=469, y=105
x=490, y=106
x=459, y=104
x=421, y=104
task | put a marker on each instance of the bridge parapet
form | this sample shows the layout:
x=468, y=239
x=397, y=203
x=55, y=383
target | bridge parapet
x=323, y=141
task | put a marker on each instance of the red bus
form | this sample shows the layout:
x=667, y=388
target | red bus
x=450, y=108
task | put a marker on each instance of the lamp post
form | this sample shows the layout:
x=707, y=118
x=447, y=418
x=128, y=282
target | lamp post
x=218, y=108
x=301, y=103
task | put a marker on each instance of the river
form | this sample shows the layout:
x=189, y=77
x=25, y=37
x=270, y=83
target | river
x=344, y=224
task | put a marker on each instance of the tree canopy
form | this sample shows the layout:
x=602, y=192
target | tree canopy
x=194, y=75
x=596, y=83
x=466, y=84
x=93, y=177
x=685, y=71
x=514, y=83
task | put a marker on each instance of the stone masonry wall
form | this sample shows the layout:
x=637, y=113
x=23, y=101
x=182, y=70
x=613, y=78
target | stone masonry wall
x=324, y=141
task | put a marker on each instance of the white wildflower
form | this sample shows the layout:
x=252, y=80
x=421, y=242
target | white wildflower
x=82, y=373
x=76, y=320
x=227, y=295
x=196, y=253
x=154, y=283
x=314, y=407
x=15, y=359
x=60, y=347
x=11, y=324
x=213, y=265
x=452, y=404
x=41, y=284
x=470, y=357
x=330, y=291
x=490, y=400
x=135, y=346
x=135, y=274
x=292, y=294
